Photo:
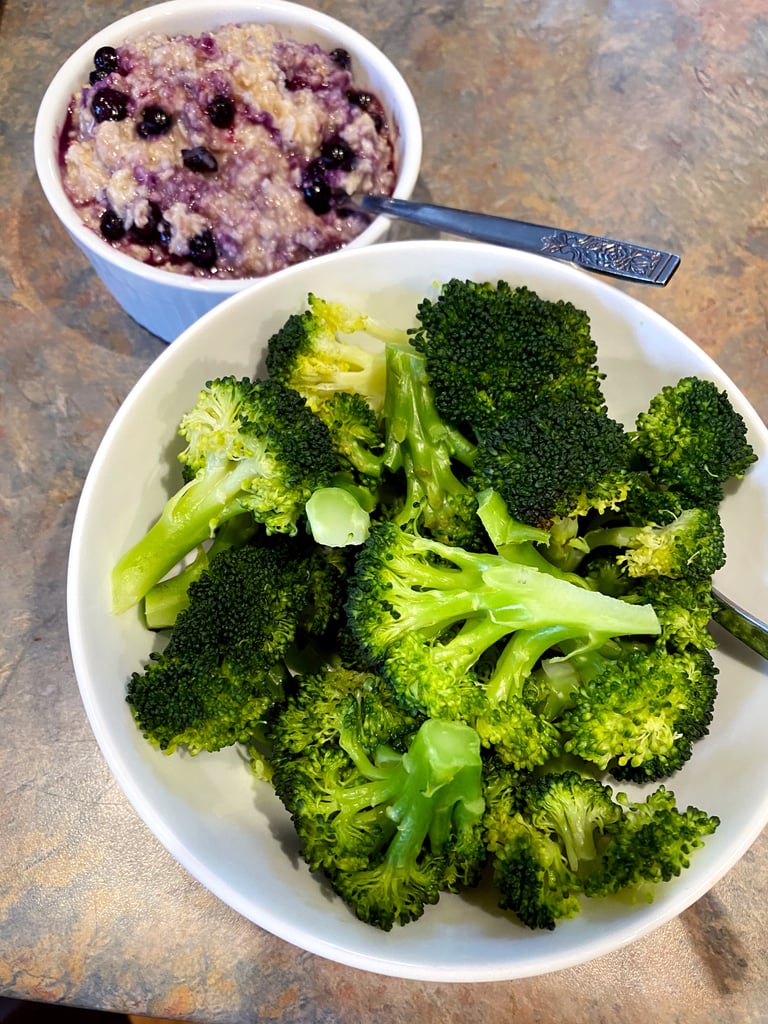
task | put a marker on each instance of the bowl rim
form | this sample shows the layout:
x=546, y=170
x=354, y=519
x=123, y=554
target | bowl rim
x=286, y=13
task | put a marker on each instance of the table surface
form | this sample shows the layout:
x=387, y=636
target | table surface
x=640, y=120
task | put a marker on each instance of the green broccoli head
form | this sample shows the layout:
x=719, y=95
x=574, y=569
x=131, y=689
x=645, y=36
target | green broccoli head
x=532, y=878
x=391, y=828
x=492, y=350
x=563, y=834
x=689, y=547
x=554, y=460
x=691, y=440
x=270, y=466
x=639, y=716
x=221, y=672
x=651, y=842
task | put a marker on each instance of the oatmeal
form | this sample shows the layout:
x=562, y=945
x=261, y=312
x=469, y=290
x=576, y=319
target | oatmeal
x=224, y=154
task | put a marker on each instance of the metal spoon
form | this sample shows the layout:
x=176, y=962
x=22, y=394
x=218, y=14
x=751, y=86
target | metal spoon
x=743, y=625
x=592, y=252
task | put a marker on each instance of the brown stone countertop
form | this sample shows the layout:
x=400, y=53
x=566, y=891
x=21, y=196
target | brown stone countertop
x=644, y=120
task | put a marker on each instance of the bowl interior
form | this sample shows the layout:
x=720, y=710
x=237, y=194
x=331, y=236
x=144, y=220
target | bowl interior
x=230, y=831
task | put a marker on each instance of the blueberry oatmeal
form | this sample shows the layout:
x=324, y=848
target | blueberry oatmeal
x=224, y=154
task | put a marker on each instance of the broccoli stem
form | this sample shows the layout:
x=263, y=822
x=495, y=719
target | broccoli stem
x=188, y=519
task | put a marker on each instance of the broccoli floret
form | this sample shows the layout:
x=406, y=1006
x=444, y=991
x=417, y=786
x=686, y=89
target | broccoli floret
x=690, y=547
x=651, y=842
x=221, y=671
x=429, y=454
x=691, y=440
x=167, y=598
x=639, y=715
x=269, y=466
x=494, y=350
x=684, y=609
x=425, y=613
x=388, y=806
x=543, y=846
x=552, y=464
x=564, y=834
x=356, y=435
x=308, y=355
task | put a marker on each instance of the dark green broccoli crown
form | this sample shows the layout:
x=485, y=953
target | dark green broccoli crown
x=555, y=459
x=691, y=440
x=491, y=349
x=650, y=843
x=532, y=877
x=640, y=716
x=220, y=673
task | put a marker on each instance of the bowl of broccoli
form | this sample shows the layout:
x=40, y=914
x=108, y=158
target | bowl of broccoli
x=402, y=565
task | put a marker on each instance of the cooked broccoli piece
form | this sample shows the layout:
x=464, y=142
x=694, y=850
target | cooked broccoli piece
x=543, y=840
x=553, y=464
x=170, y=596
x=308, y=355
x=639, y=715
x=221, y=671
x=269, y=466
x=429, y=454
x=564, y=834
x=690, y=547
x=494, y=350
x=356, y=435
x=387, y=805
x=651, y=842
x=691, y=440
x=684, y=609
x=425, y=614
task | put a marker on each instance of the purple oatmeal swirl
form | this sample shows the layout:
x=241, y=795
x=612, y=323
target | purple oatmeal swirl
x=224, y=154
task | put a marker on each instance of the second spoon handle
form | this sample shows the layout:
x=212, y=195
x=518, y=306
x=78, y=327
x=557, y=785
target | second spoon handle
x=592, y=252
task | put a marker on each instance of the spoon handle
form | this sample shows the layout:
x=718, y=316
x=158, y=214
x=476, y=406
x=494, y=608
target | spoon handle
x=743, y=625
x=592, y=252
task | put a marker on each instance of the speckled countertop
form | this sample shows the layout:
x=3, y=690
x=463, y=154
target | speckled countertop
x=645, y=120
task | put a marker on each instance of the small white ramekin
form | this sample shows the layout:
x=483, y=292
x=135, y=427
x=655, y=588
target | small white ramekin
x=167, y=303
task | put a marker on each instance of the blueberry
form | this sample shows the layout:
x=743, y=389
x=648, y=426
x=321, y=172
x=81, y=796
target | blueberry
x=370, y=104
x=154, y=121
x=199, y=159
x=202, y=250
x=111, y=226
x=341, y=58
x=335, y=153
x=105, y=59
x=109, y=105
x=317, y=192
x=146, y=234
x=221, y=111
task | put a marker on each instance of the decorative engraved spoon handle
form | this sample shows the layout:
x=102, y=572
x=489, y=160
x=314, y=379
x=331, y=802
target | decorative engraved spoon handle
x=602, y=255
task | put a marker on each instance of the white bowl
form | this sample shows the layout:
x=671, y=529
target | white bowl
x=229, y=831
x=167, y=303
